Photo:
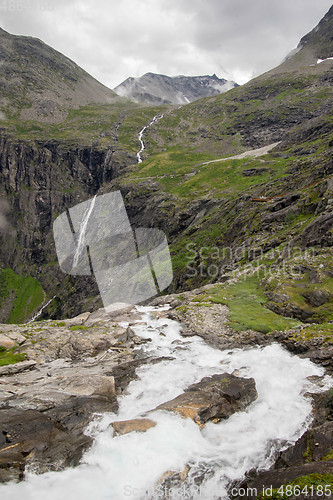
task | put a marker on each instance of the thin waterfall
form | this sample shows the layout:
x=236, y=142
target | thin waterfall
x=35, y=316
x=82, y=231
x=155, y=119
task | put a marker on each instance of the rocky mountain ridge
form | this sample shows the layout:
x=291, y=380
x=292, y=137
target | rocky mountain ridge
x=153, y=89
x=39, y=83
x=314, y=47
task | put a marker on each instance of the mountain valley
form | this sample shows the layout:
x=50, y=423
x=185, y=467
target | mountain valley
x=240, y=181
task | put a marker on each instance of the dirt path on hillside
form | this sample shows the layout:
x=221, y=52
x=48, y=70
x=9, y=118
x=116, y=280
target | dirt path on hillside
x=250, y=153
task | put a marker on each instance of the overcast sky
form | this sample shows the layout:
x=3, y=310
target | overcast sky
x=114, y=39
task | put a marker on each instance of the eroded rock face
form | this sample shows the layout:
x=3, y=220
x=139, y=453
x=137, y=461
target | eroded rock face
x=75, y=368
x=317, y=298
x=6, y=342
x=34, y=436
x=214, y=398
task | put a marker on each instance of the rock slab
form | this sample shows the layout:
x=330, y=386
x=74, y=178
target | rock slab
x=213, y=398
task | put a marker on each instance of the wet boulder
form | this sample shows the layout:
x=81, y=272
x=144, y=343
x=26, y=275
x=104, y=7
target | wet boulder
x=135, y=425
x=213, y=398
x=29, y=435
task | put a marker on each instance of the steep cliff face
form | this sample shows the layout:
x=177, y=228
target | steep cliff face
x=46, y=169
x=39, y=181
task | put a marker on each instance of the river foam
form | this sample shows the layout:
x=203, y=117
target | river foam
x=130, y=466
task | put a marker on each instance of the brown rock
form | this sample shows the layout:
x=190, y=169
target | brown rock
x=277, y=478
x=317, y=298
x=29, y=434
x=213, y=398
x=136, y=425
x=6, y=342
x=16, y=337
x=171, y=475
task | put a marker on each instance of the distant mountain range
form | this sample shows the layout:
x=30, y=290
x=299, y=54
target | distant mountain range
x=155, y=89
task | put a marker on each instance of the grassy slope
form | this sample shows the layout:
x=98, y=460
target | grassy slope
x=95, y=124
x=8, y=356
x=23, y=295
x=218, y=127
x=246, y=302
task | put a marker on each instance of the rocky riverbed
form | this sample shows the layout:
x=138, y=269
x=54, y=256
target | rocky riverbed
x=74, y=369
x=77, y=368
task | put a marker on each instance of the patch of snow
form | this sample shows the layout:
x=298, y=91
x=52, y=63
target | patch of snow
x=322, y=60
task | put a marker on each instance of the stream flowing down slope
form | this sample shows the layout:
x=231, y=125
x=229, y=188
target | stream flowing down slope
x=154, y=120
x=130, y=466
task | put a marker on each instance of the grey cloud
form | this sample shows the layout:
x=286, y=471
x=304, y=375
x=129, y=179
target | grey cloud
x=113, y=40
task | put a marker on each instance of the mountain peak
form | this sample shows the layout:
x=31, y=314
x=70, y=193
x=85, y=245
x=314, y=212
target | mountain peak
x=153, y=88
x=320, y=38
x=315, y=46
x=38, y=82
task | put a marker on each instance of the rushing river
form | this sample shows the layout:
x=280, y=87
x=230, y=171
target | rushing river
x=130, y=466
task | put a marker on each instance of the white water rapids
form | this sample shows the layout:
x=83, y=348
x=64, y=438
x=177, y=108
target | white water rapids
x=129, y=466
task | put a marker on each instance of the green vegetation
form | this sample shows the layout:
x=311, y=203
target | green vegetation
x=329, y=456
x=94, y=124
x=308, y=454
x=323, y=330
x=189, y=175
x=199, y=200
x=320, y=484
x=78, y=327
x=58, y=323
x=247, y=306
x=23, y=293
x=307, y=284
x=8, y=356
